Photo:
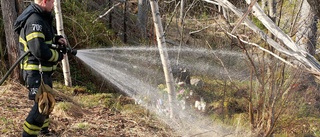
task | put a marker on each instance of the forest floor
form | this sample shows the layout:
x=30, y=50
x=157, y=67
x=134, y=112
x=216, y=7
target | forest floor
x=77, y=119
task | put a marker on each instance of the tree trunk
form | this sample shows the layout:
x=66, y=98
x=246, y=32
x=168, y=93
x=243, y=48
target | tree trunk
x=110, y=15
x=164, y=55
x=9, y=13
x=263, y=4
x=181, y=12
x=272, y=9
x=315, y=6
x=20, y=5
x=142, y=17
x=125, y=40
x=251, y=111
x=2, y=52
x=307, y=29
x=65, y=61
x=271, y=69
x=306, y=37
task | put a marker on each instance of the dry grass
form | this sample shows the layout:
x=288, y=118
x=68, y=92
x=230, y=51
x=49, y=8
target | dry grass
x=76, y=116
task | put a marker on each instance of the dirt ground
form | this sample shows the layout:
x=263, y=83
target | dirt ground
x=96, y=121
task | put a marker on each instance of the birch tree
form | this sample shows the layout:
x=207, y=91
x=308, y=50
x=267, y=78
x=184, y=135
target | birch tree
x=164, y=55
x=65, y=61
x=306, y=36
x=181, y=12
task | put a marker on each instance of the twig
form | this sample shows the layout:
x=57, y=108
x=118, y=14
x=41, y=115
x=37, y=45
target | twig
x=108, y=11
x=197, y=31
x=244, y=16
x=174, y=12
x=224, y=67
x=263, y=49
x=87, y=37
x=295, y=20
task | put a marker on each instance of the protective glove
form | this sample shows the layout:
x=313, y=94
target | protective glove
x=45, y=99
x=63, y=49
x=57, y=38
x=61, y=43
x=60, y=48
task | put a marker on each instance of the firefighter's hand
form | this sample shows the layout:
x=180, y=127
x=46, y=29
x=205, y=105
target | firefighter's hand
x=62, y=41
x=63, y=49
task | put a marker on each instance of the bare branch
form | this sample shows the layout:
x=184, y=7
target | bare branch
x=197, y=31
x=310, y=63
x=303, y=56
x=224, y=67
x=263, y=49
x=83, y=40
x=275, y=30
x=244, y=16
x=108, y=11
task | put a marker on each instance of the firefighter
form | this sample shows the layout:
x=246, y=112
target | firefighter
x=37, y=35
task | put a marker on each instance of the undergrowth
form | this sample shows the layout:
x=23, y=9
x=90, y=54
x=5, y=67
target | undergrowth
x=81, y=31
x=227, y=104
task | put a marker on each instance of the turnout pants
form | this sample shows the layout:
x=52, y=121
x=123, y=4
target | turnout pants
x=35, y=122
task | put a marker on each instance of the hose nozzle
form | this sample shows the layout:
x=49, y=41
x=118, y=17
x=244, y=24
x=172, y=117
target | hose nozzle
x=72, y=51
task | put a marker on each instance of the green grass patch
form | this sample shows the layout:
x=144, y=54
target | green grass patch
x=64, y=106
x=83, y=125
x=106, y=99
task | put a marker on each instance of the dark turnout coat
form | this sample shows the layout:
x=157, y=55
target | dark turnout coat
x=36, y=34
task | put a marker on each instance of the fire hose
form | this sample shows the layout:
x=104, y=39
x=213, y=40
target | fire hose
x=13, y=66
x=69, y=50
